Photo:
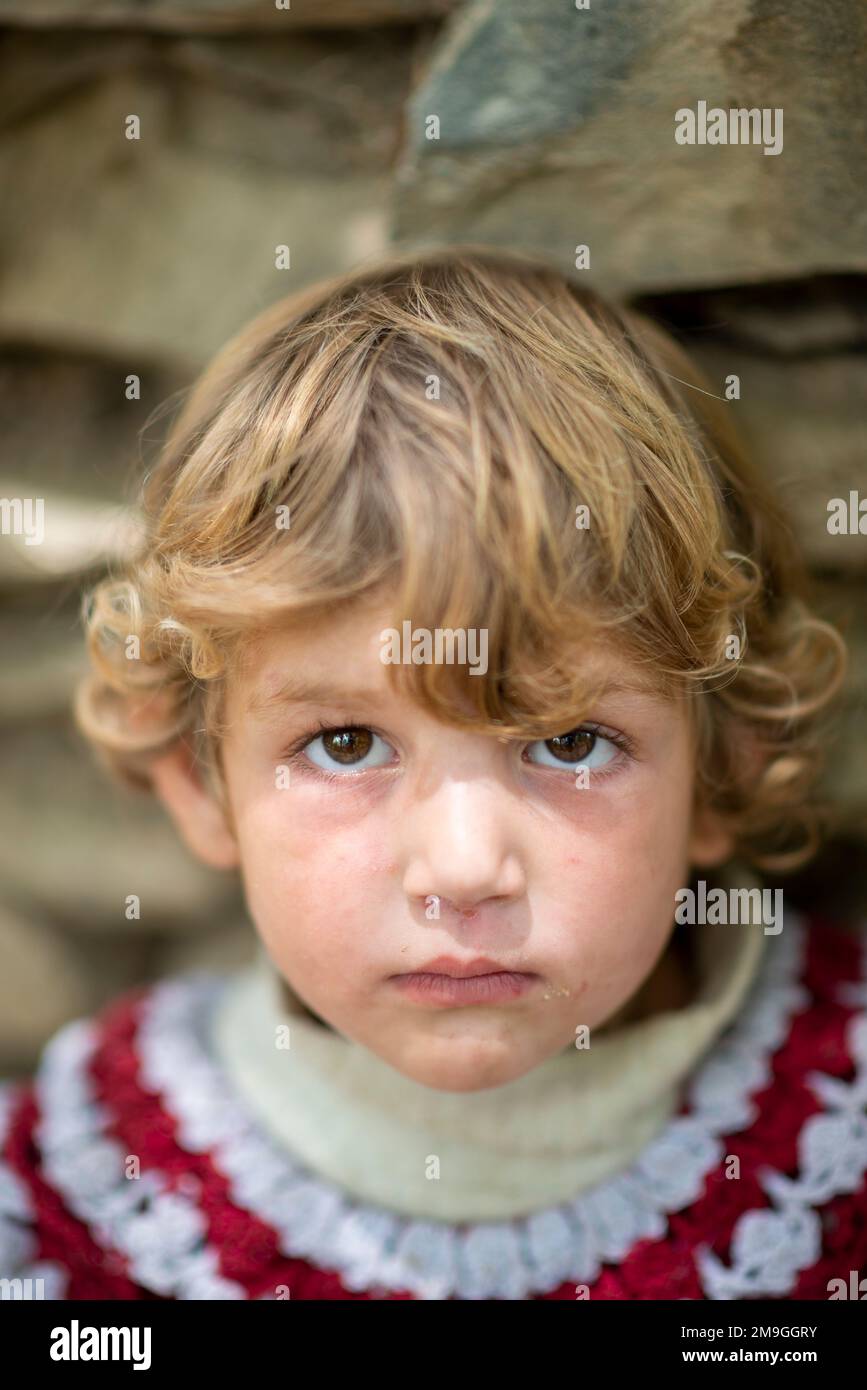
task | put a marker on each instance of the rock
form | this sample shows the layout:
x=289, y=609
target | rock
x=805, y=320
x=844, y=779
x=66, y=422
x=794, y=318
x=43, y=984
x=557, y=129
x=804, y=423
x=221, y=16
x=44, y=657
x=245, y=146
x=49, y=537
x=76, y=442
x=75, y=847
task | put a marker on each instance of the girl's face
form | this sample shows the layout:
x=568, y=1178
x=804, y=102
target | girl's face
x=376, y=843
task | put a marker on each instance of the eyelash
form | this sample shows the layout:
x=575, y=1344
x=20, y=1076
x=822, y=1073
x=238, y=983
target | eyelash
x=620, y=741
x=294, y=751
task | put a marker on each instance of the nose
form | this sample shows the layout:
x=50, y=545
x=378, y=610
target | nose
x=459, y=848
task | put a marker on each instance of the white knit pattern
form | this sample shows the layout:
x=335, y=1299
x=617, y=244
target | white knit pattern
x=161, y=1234
x=17, y=1242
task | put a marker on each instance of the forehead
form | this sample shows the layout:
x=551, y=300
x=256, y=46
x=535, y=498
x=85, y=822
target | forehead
x=336, y=659
x=330, y=651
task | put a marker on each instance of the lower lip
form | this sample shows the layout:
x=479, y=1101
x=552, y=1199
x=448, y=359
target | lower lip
x=475, y=989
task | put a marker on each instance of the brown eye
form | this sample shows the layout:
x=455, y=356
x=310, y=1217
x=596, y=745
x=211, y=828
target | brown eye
x=347, y=745
x=348, y=749
x=573, y=747
x=580, y=747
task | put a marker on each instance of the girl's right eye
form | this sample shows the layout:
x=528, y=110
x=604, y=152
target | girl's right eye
x=350, y=749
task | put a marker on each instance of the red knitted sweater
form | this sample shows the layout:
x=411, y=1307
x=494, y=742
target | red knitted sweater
x=129, y=1169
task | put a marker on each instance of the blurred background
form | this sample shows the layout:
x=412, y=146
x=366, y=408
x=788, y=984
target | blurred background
x=340, y=128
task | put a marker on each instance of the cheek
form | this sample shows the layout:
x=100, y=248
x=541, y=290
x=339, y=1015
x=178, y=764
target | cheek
x=309, y=876
x=615, y=870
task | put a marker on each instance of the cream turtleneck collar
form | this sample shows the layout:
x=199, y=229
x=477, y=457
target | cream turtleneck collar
x=578, y=1118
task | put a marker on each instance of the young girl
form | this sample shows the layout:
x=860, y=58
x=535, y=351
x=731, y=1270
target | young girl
x=463, y=633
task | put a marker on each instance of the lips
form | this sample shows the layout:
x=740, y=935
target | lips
x=463, y=970
x=479, y=983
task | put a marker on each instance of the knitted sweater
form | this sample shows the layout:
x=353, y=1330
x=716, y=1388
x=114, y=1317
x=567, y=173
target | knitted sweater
x=132, y=1167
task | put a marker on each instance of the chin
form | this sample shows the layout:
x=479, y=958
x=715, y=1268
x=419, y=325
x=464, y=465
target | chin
x=474, y=1074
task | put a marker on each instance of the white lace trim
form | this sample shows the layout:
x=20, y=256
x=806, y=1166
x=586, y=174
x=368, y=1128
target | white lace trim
x=770, y=1248
x=371, y=1247
x=17, y=1241
x=162, y=1234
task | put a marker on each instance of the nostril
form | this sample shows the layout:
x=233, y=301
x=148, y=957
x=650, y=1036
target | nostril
x=469, y=913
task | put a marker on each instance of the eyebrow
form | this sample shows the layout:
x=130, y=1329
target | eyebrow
x=300, y=690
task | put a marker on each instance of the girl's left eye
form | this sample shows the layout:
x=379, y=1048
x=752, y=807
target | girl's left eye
x=347, y=750
x=579, y=747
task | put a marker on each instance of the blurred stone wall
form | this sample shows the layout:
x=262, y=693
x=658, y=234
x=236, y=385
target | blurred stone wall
x=339, y=128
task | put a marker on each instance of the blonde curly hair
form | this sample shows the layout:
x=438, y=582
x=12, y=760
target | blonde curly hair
x=430, y=424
